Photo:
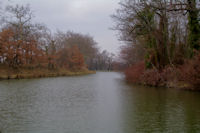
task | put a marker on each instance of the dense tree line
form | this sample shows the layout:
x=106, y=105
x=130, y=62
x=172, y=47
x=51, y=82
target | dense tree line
x=27, y=44
x=102, y=61
x=162, y=33
x=93, y=57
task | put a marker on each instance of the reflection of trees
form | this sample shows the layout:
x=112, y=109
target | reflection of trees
x=147, y=112
x=191, y=110
x=154, y=110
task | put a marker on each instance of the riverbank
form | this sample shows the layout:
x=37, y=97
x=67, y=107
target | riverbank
x=152, y=78
x=168, y=84
x=27, y=73
x=185, y=76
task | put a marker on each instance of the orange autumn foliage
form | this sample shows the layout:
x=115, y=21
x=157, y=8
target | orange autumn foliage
x=76, y=60
x=27, y=53
x=15, y=52
x=71, y=58
x=134, y=72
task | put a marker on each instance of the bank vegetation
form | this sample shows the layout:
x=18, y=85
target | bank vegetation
x=162, y=42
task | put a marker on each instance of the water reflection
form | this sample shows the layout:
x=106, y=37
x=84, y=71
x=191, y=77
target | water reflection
x=100, y=103
x=161, y=110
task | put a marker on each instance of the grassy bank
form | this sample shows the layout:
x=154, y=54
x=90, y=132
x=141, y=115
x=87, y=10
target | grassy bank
x=26, y=73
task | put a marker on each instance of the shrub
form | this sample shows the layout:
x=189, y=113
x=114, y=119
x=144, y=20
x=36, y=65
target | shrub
x=133, y=73
x=154, y=77
x=187, y=74
x=190, y=72
x=151, y=77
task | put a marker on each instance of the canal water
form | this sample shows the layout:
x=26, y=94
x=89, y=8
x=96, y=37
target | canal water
x=97, y=103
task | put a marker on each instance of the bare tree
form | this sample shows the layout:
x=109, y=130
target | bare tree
x=161, y=26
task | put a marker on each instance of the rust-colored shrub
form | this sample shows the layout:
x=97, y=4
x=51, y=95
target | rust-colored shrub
x=187, y=74
x=151, y=77
x=133, y=74
x=154, y=77
x=190, y=72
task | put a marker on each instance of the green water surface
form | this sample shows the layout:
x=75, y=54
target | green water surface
x=98, y=103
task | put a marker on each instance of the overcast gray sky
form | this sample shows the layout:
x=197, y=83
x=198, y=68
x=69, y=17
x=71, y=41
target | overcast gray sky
x=85, y=16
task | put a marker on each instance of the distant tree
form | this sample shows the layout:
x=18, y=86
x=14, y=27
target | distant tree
x=52, y=55
x=28, y=37
x=20, y=20
x=63, y=58
x=85, y=43
x=7, y=44
x=76, y=61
